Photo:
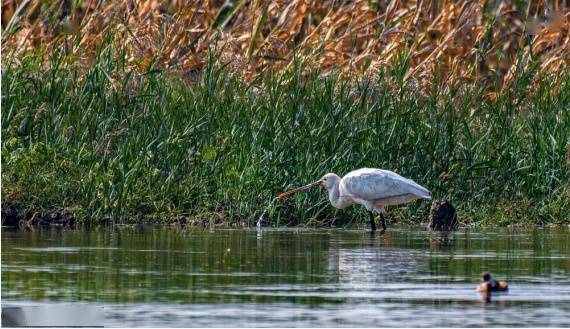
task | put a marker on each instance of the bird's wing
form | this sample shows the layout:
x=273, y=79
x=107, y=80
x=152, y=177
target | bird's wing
x=371, y=184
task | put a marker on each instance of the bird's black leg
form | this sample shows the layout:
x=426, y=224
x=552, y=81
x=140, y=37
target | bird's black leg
x=383, y=222
x=372, y=222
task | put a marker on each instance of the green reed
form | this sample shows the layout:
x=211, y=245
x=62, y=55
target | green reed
x=111, y=143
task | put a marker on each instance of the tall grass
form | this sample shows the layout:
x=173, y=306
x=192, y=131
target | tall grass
x=108, y=142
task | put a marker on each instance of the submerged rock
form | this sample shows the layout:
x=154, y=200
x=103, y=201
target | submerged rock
x=442, y=216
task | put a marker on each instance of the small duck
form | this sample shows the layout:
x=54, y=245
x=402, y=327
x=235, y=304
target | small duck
x=490, y=285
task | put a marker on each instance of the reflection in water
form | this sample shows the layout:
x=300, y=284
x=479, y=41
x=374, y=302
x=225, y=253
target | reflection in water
x=292, y=277
x=486, y=297
x=440, y=240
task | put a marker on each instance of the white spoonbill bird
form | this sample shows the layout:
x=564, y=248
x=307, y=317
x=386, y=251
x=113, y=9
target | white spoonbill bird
x=373, y=188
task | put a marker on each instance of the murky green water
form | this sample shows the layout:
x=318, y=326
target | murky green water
x=293, y=277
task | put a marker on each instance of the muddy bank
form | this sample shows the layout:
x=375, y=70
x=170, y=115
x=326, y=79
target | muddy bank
x=442, y=217
x=14, y=216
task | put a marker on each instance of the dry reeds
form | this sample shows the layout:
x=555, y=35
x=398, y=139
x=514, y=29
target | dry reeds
x=444, y=42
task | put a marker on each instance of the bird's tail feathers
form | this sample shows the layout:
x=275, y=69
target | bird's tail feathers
x=423, y=193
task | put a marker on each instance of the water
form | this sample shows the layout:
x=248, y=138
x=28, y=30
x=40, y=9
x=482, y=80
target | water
x=292, y=277
x=260, y=219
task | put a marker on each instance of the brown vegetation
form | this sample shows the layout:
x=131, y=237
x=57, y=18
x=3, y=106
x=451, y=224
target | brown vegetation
x=478, y=41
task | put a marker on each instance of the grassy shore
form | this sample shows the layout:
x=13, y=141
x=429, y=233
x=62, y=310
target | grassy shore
x=108, y=142
x=130, y=111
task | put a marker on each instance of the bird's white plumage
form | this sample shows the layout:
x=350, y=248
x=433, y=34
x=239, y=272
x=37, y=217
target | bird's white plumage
x=371, y=183
x=375, y=189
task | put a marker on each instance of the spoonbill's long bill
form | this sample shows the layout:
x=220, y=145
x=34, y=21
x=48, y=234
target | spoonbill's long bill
x=373, y=188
